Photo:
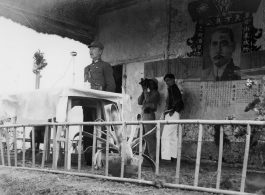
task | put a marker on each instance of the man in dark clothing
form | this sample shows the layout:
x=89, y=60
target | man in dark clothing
x=100, y=75
x=174, y=105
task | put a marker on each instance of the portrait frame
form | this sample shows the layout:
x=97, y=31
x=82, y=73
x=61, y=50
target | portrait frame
x=250, y=34
x=236, y=56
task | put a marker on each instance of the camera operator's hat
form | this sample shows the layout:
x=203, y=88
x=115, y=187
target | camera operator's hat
x=154, y=80
x=96, y=44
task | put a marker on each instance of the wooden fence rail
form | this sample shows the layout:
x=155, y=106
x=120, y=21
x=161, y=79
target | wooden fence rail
x=67, y=161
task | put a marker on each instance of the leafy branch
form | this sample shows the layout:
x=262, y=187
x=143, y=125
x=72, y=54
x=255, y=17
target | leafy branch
x=39, y=62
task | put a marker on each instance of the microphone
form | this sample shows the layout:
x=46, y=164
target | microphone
x=73, y=53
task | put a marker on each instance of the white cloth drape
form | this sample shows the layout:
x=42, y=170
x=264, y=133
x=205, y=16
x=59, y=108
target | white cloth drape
x=43, y=104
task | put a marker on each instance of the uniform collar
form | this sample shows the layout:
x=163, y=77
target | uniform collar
x=95, y=61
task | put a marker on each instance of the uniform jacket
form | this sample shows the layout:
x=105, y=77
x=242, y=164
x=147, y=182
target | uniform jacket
x=100, y=73
x=228, y=73
x=174, y=99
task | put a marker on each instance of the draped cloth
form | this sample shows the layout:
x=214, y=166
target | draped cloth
x=44, y=104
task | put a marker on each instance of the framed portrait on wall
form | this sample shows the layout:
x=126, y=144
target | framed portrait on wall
x=221, y=52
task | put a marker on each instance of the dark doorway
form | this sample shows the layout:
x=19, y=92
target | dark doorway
x=117, y=73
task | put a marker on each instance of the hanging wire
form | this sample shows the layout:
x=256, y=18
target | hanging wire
x=27, y=20
x=64, y=73
x=19, y=13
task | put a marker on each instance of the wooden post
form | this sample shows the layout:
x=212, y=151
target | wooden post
x=58, y=146
x=107, y=152
x=45, y=146
x=48, y=147
x=24, y=147
x=140, y=151
x=67, y=154
x=106, y=118
x=37, y=82
x=8, y=148
x=1, y=148
x=99, y=131
x=79, y=148
x=180, y=128
x=13, y=121
x=67, y=143
x=220, y=157
x=123, y=149
x=54, y=159
x=245, y=163
x=157, y=146
x=198, y=159
x=94, y=148
x=15, y=145
x=33, y=146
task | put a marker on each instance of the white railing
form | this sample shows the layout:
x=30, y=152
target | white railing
x=67, y=164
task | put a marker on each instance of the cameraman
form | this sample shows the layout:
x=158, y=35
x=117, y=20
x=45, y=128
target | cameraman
x=149, y=101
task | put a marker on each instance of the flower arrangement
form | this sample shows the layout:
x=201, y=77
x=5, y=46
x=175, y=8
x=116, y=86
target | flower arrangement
x=250, y=83
x=258, y=104
x=39, y=62
x=238, y=132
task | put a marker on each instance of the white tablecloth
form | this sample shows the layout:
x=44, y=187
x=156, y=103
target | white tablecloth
x=43, y=104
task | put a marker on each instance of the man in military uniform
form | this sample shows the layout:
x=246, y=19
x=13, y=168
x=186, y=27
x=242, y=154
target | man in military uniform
x=100, y=75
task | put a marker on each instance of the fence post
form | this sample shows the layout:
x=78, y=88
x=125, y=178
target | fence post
x=79, y=148
x=13, y=121
x=54, y=159
x=15, y=145
x=94, y=148
x=33, y=146
x=99, y=133
x=123, y=148
x=158, y=146
x=180, y=128
x=198, y=159
x=67, y=152
x=220, y=157
x=140, y=151
x=67, y=158
x=245, y=163
x=107, y=151
x=1, y=147
x=8, y=147
x=24, y=147
x=48, y=151
x=44, y=146
x=58, y=148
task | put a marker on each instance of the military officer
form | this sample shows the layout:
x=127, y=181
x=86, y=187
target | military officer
x=100, y=76
x=99, y=73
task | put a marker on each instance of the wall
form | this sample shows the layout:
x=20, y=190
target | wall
x=135, y=33
x=153, y=30
x=133, y=71
x=133, y=36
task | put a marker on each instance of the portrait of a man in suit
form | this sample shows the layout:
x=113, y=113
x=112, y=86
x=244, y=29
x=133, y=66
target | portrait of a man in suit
x=221, y=66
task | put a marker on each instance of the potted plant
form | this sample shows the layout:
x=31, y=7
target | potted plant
x=117, y=134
